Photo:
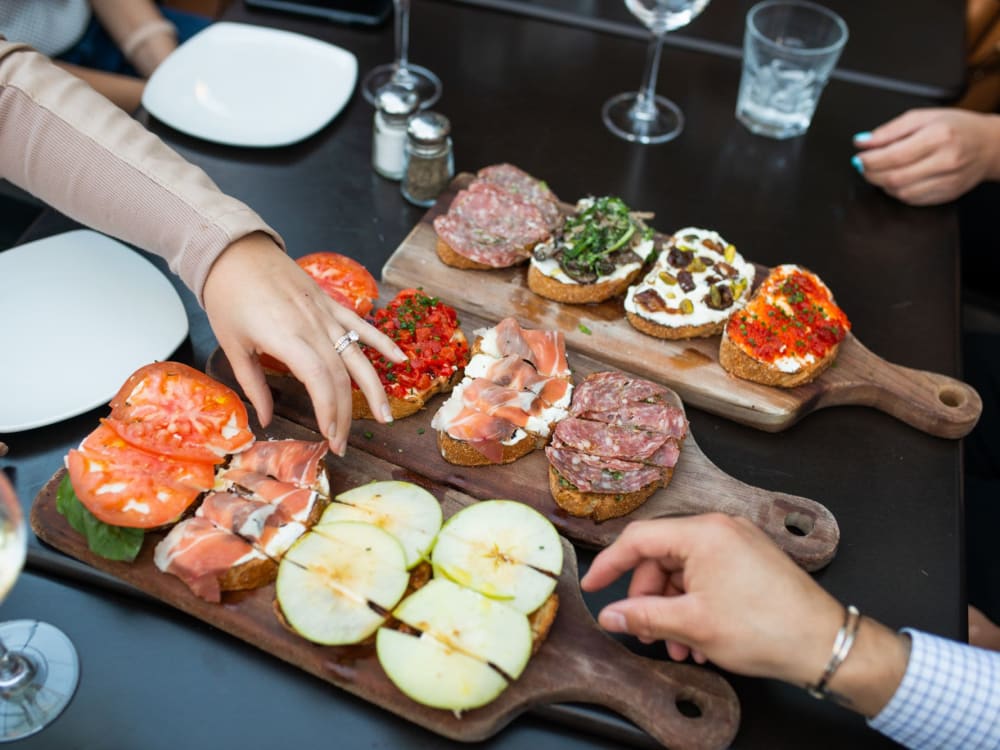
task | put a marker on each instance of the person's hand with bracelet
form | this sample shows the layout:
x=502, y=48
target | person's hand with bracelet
x=717, y=588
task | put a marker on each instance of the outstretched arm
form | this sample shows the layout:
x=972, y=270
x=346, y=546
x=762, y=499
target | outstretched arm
x=69, y=146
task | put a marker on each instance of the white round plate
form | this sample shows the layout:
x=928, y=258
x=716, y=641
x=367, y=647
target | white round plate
x=79, y=313
x=246, y=85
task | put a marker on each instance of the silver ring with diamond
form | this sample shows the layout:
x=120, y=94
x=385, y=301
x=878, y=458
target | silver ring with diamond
x=351, y=337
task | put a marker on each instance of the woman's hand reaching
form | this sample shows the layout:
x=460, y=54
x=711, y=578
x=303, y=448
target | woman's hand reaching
x=259, y=301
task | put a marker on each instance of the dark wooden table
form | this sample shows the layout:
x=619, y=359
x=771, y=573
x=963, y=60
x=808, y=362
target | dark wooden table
x=914, y=49
x=529, y=92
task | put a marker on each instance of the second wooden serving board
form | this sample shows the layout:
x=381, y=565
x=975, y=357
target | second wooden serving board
x=934, y=403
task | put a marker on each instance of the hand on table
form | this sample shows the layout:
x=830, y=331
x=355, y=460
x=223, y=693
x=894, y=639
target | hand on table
x=930, y=156
x=716, y=587
x=258, y=301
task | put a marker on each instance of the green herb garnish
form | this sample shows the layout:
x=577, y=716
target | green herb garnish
x=584, y=329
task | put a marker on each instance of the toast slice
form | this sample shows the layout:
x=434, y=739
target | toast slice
x=578, y=294
x=788, y=334
x=600, y=506
x=693, y=287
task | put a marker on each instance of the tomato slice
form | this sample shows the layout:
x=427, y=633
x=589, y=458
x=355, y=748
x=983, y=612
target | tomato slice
x=343, y=278
x=126, y=486
x=175, y=410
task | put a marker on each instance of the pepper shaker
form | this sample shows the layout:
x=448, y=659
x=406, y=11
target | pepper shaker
x=430, y=164
x=393, y=107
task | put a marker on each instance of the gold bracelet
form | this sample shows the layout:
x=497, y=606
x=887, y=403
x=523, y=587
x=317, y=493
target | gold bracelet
x=144, y=33
x=841, y=648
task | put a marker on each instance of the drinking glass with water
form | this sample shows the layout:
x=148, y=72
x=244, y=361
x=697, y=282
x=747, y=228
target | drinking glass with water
x=789, y=49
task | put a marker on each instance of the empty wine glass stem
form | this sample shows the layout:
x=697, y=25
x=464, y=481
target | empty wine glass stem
x=645, y=104
x=401, y=26
x=16, y=671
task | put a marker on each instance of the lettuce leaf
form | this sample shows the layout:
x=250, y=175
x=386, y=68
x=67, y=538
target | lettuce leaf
x=110, y=542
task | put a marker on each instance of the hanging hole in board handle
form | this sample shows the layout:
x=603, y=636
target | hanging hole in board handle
x=951, y=397
x=799, y=524
x=687, y=706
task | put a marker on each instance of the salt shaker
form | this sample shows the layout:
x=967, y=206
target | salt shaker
x=430, y=164
x=393, y=107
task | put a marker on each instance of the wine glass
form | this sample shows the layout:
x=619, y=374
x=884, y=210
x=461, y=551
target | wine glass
x=39, y=668
x=402, y=72
x=641, y=115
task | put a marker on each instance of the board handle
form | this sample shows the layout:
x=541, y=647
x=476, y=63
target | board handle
x=933, y=403
x=682, y=707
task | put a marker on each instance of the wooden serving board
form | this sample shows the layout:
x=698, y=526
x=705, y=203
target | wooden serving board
x=934, y=403
x=579, y=662
x=806, y=530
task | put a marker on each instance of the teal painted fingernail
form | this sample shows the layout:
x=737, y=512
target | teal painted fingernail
x=858, y=164
x=862, y=137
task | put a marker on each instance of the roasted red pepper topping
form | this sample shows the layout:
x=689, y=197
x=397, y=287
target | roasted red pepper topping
x=792, y=315
x=424, y=328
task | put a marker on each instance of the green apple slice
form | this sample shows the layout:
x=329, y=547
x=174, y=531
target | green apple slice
x=408, y=512
x=466, y=621
x=434, y=675
x=502, y=549
x=327, y=582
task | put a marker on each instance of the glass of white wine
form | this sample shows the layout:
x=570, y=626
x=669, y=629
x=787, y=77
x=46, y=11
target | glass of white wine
x=39, y=668
x=642, y=116
x=416, y=78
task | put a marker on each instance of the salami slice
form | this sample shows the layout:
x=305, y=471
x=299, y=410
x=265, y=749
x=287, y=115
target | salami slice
x=597, y=474
x=661, y=418
x=527, y=188
x=606, y=391
x=615, y=441
x=490, y=226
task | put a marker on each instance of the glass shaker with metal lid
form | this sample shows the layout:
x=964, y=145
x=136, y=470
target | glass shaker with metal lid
x=393, y=107
x=430, y=163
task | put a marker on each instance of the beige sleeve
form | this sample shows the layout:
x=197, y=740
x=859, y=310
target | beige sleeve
x=73, y=149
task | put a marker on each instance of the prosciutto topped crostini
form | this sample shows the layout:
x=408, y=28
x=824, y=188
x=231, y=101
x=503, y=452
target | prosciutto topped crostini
x=517, y=386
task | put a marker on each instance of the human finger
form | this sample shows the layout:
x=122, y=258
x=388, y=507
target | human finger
x=649, y=578
x=662, y=539
x=916, y=150
x=367, y=380
x=250, y=376
x=934, y=190
x=367, y=333
x=650, y=618
x=896, y=128
x=324, y=375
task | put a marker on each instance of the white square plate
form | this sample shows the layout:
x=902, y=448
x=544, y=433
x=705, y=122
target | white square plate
x=80, y=313
x=246, y=85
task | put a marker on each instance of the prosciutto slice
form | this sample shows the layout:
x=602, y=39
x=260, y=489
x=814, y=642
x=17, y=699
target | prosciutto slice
x=299, y=462
x=254, y=520
x=292, y=503
x=200, y=554
x=545, y=349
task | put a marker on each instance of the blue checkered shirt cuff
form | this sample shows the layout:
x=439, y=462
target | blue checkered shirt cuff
x=949, y=697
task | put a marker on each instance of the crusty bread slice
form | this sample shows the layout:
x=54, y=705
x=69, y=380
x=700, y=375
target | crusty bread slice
x=578, y=294
x=403, y=407
x=541, y=621
x=449, y=257
x=651, y=328
x=737, y=362
x=461, y=453
x=600, y=506
x=251, y=574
